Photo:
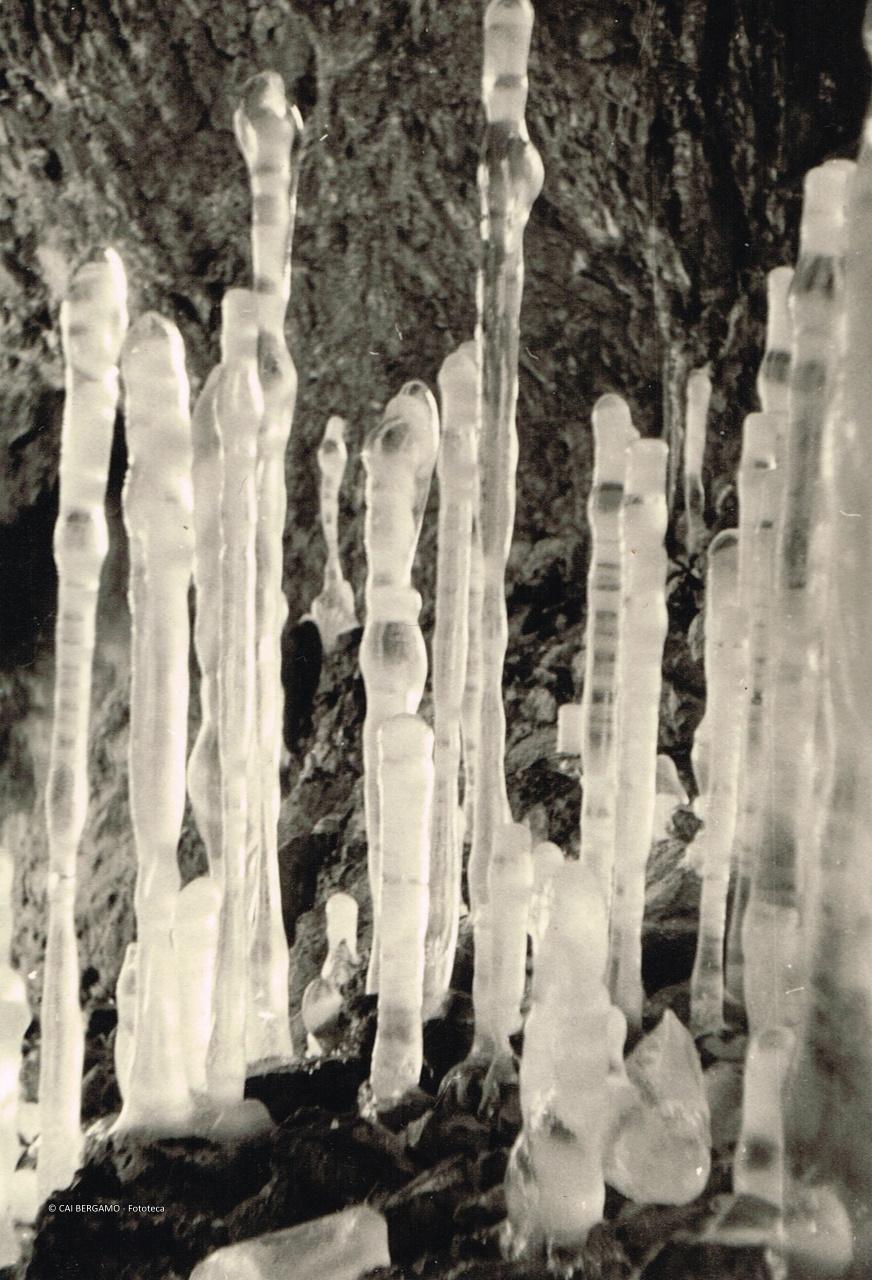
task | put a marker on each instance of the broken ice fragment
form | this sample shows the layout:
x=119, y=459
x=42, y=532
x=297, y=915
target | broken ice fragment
x=660, y=1148
x=342, y=1246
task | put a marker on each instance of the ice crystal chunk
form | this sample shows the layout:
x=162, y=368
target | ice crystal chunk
x=342, y=1246
x=660, y=1149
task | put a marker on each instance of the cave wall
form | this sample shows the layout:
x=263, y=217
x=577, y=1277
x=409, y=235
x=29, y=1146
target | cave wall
x=674, y=136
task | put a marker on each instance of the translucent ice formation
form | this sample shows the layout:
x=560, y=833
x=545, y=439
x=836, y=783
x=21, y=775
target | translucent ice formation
x=342, y=957
x=239, y=410
x=14, y=1021
x=725, y=657
x=267, y=132
x=758, y=1167
x=93, y=323
x=554, y=1182
x=195, y=939
x=758, y=497
x=659, y=1152
x=470, y=710
x=613, y=434
x=406, y=797
x=457, y=477
x=333, y=607
x=699, y=392
x=342, y=1246
x=204, y=764
x=570, y=729
x=498, y=985
x=398, y=456
x=773, y=378
x=509, y=180
x=320, y=1009
x=158, y=516
x=125, y=1031
x=547, y=860
x=770, y=930
x=643, y=632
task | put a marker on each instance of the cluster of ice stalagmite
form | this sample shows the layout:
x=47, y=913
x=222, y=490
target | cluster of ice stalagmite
x=405, y=745
x=771, y=923
x=398, y=455
x=699, y=392
x=158, y=515
x=93, y=324
x=456, y=468
x=510, y=178
x=267, y=131
x=643, y=633
x=238, y=411
x=829, y=1103
x=725, y=657
x=613, y=434
x=333, y=607
x=14, y=1021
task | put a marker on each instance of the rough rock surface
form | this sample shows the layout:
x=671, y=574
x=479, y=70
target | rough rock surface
x=675, y=135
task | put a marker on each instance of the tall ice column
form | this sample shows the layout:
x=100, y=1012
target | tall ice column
x=613, y=433
x=267, y=132
x=93, y=324
x=158, y=514
x=643, y=635
x=699, y=393
x=725, y=658
x=457, y=476
x=510, y=178
x=238, y=410
x=398, y=456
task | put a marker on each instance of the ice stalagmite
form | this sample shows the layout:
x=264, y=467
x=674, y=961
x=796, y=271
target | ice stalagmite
x=195, y=939
x=267, y=131
x=613, y=434
x=398, y=456
x=457, y=476
x=699, y=392
x=758, y=494
x=554, y=1183
x=773, y=377
x=333, y=607
x=406, y=795
x=829, y=1101
x=125, y=1031
x=643, y=632
x=342, y=957
x=509, y=180
x=14, y=1021
x=204, y=763
x=498, y=985
x=771, y=924
x=238, y=410
x=158, y=516
x=470, y=709
x=725, y=650
x=93, y=323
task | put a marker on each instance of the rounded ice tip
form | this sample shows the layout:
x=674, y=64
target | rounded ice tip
x=199, y=901
x=825, y=194
x=264, y=92
x=613, y=432
x=759, y=440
